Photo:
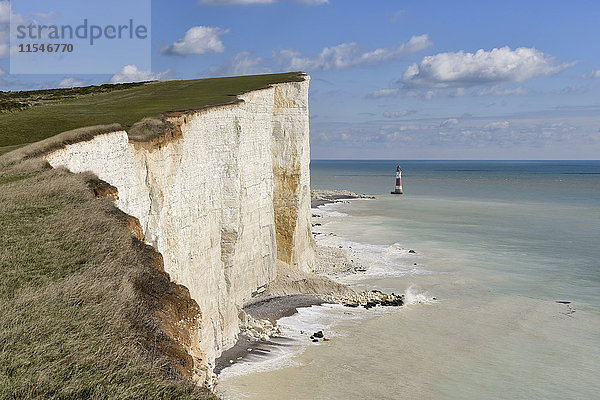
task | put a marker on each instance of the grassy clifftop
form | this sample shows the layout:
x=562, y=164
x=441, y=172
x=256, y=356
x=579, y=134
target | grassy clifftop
x=27, y=117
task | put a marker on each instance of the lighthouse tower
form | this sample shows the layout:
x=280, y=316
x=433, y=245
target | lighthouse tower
x=398, y=181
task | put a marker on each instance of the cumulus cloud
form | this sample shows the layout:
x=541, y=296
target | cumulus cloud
x=345, y=55
x=460, y=69
x=349, y=54
x=198, y=40
x=241, y=64
x=131, y=73
x=71, y=82
x=398, y=114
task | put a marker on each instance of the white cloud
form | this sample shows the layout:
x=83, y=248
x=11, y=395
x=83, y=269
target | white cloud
x=2, y=72
x=131, y=73
x=449, y=122
x=592, y=75
x=71, y=82
x=241, y=64
x=389, y=92
x=198, y=40
x=398, y=114
x=349, y=54
x=572, y=90
x=395, y=92
x=498, y=91
x=428, y=95
x=462, y=69
x=493, y=126
x=246, y=2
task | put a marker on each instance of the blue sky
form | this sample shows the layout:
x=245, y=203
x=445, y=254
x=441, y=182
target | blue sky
x=394, y=79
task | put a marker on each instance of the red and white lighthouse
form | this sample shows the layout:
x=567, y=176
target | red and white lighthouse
x=398, y=181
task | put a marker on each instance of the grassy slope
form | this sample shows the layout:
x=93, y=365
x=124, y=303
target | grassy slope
x=78, y=299
x=79, y=302
x=125, y=106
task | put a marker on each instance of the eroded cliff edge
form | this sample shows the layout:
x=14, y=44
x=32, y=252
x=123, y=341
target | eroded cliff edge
x=222, y=196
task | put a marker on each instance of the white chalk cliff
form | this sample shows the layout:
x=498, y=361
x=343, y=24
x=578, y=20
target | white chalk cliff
x=221, y=201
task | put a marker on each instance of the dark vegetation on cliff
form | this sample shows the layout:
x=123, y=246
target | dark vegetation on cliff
x=86, y=310
x=44, y=113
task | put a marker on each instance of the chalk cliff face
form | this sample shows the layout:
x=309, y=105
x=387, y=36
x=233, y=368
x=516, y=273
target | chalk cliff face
x=221, y=201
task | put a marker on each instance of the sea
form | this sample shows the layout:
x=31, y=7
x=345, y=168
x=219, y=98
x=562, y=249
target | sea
x=502, y=290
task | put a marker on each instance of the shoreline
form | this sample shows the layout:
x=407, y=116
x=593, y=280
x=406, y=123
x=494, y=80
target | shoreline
x=271, y=309
x=322, y=197
x=277, y=307
x=261, y=334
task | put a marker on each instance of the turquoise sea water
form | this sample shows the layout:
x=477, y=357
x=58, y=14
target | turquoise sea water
x=536, y=220
x=498, y=243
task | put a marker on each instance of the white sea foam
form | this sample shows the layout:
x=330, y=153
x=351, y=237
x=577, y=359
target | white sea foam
x=297, y=329
x=328, y=210
x=379, y=260
x=412, y=296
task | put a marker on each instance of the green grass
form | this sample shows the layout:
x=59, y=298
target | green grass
x=58, y=112
x=80, y=304
x=15, y=101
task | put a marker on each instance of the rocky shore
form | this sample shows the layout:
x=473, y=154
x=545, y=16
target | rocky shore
x=293, y=289
x=322, y=197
